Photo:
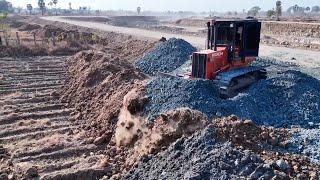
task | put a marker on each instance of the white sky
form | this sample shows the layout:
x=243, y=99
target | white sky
x=173, y=5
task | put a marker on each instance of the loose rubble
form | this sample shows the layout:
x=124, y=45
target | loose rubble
x=202, y=156
x=289, y=98
x=307, y=142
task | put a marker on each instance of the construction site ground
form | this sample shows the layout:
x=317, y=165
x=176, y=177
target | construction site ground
x=87, y=115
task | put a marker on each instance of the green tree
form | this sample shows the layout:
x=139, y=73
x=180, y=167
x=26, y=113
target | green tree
x=278, y=11
x=315, y=9
x=270, y=13
x=4, y=6
x=29, y=8
x=139, y=10
x=55, y=5
x=296, y=8
x=308, y=9
x=42, y=6
x=254, y=11
x=50, y=4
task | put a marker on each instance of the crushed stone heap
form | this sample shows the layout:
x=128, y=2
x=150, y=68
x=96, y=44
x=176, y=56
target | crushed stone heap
x=201, y=156
x=166, y=57
x=287, y=99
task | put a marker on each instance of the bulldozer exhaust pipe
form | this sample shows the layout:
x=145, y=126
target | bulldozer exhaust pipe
x=209, y=35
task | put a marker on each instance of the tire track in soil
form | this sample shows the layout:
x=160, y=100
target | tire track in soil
x=34, y=125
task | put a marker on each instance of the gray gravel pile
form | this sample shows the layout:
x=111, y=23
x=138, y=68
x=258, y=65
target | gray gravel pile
x=171, y=93
x=166, y=57
x=202, y=157
x=289, y=98
x=306, y=142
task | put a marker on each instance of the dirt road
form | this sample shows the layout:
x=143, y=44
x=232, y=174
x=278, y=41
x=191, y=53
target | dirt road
x=35, y=129
x=302, y=57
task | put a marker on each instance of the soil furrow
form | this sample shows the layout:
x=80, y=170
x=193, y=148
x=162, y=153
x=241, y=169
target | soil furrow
x=47, y=114
x=24, y=130
x=3, y=92
x=40, y=108
x=44, y=74
x=64, y=153
x=34, y=135
x=34, y=66
x=31, y=79
x=28, y=100
x=32, y=121
x=29, y=86
x=33, y=69
x=83, y=174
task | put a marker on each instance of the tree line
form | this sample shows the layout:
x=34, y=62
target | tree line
x=277, y=11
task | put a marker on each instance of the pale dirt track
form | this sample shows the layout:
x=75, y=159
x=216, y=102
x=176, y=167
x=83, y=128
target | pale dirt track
x=302, y=57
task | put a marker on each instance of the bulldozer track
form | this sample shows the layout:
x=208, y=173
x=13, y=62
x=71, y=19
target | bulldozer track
x=34, y=124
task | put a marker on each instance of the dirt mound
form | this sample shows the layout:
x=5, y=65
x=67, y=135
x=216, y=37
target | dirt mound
x=29, y=27
x=149, y=138
x=133, y=21
x=192, y=22
x=135, y=137
x=26, y=51
x=249, y=135
x=166, y=57
x=21, y=51
x=91, y=19
x=49, y=29
x=134, y=130
x=71, y=34
x=97, y=84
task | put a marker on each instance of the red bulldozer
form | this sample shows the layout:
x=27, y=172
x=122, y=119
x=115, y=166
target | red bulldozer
x=231, y=47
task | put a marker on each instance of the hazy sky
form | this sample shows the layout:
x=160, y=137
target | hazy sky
x=176, y=5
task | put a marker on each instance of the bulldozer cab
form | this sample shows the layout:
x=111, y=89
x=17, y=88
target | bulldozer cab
x=241, y=37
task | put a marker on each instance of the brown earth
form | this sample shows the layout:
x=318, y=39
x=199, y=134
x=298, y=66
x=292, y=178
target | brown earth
x=36, y=136
x=98, y=81
x=29, y=27
x=43, y=47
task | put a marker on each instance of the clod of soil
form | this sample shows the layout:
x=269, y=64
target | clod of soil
x=166, y=57
x=249, y=135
